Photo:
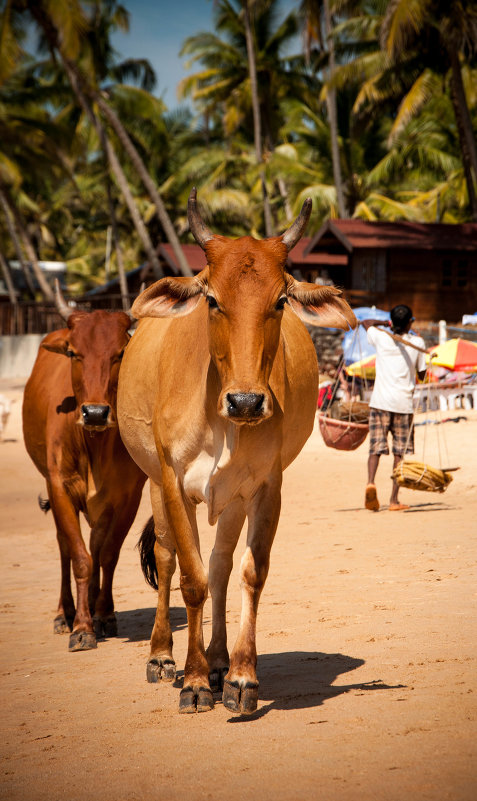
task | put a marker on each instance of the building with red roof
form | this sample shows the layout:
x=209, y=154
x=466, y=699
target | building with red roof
x=430, y=266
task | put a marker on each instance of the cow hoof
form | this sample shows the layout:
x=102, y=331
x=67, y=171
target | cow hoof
x=195, y=701
x=82, y=641
x=61, y=625
x=242, y=700
x=158, y=669
x=105, y=626
x=216, y=679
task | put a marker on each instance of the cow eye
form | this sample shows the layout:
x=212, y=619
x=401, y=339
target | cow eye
x=70, y=353
x=212, y=302
x=280, y=304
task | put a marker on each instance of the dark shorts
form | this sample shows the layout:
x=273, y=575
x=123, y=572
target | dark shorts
x=381, y=423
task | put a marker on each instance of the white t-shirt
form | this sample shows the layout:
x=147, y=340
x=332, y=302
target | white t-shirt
x=396, y=367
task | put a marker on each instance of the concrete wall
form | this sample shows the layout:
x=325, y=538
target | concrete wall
x=17, y=354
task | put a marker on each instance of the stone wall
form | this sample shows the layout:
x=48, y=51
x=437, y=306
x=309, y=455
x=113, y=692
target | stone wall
x=328, y=346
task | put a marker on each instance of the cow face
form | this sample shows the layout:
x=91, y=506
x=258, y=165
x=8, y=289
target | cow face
x=95, y=343
x=247, y=290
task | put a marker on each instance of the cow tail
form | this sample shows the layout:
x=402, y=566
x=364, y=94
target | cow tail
x=44, y=504
x=145, y=545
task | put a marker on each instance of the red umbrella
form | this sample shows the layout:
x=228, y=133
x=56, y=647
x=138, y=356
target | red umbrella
x=455, y=354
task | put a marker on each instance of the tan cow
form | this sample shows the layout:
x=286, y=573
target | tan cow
x=217, y=395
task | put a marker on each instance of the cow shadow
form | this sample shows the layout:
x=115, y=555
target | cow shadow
x=305, y=679
x=135, y=625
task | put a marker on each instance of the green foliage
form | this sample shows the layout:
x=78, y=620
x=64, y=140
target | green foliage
x=399, y=142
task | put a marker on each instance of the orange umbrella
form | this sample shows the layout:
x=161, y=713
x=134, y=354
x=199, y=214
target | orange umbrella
x=455, y=354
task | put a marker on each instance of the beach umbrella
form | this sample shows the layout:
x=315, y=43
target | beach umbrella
x=363, y=368
x=455, y=354
x=355, y=343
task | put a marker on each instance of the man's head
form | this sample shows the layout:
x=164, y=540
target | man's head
x=401, y=318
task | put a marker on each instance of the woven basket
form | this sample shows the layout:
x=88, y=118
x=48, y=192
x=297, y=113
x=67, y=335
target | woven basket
x=355, y=411
x=341, y=434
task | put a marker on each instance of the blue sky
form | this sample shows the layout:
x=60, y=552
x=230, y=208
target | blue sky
x=157, y=31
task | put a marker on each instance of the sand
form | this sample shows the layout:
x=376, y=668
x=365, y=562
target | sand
x=366, y=637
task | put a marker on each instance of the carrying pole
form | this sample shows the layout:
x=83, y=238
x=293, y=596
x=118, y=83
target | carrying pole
x=403, y=341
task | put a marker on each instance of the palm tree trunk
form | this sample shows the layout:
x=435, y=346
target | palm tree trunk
x=257, y=133
x=117, y=170
x=140, y=168
x=28, y=248
x=16, y=242
x=123, y=284
x=332, y=115
x=466, y=135
x=8, y=280
x=282, y=188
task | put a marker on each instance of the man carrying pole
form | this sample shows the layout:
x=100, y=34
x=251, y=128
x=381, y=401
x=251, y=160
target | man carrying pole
x=399, y=356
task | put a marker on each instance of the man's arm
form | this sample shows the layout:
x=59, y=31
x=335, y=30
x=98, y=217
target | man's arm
x=368, y=323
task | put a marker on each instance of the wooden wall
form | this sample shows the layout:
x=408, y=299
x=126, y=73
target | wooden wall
x=437, y=285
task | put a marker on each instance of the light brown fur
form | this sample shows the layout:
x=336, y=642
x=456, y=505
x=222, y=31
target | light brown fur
x=175, y=417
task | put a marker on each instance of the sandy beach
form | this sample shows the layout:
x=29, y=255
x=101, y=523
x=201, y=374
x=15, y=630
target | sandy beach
x=366, y=636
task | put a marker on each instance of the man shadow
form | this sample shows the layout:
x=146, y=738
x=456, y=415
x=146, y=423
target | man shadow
x=305, y=679
x=135, y=625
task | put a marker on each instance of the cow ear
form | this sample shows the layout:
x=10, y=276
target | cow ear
x=55, y=342
x=171, y=297
x=320, y=305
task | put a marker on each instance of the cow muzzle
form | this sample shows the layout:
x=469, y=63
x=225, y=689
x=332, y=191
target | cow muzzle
x=245, y=407
x=96, y=416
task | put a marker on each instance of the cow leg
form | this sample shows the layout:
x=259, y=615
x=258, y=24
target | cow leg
x=161, y=663
x=71, y=541
x=110, y=545
x=241, y=685
x=180, y=514
x=63, y=622
x=220, y=566
x=99, y=533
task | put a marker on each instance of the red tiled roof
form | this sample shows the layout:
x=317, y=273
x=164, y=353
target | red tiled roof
x=197, y=261
x=418, y=236
x=193, y=253
x=298, y=255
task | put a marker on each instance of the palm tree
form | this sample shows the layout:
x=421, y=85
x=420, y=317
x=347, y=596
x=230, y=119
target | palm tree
x=245, y=74
x=401, y=57
x=64, y=35
x=317, y=23
x=31, y=155
x=452, y=25
x=108, y=15
x=16, y=242
x=257, y=128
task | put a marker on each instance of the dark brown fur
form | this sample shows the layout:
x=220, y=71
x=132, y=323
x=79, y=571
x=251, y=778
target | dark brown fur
x=86, y=467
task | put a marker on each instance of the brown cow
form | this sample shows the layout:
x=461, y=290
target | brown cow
x=214, y=401
x=71, y=433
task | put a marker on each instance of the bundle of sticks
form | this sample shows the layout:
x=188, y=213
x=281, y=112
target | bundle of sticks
x=420, y=476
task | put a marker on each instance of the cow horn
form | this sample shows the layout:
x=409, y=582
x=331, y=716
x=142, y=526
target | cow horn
x=197, y=226
x=60, y=303
x=291, y=236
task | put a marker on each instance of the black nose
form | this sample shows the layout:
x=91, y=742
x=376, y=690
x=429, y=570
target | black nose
x=95, y=414
x=246, y=405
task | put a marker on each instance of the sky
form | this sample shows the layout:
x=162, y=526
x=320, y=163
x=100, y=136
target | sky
x=157, y=30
